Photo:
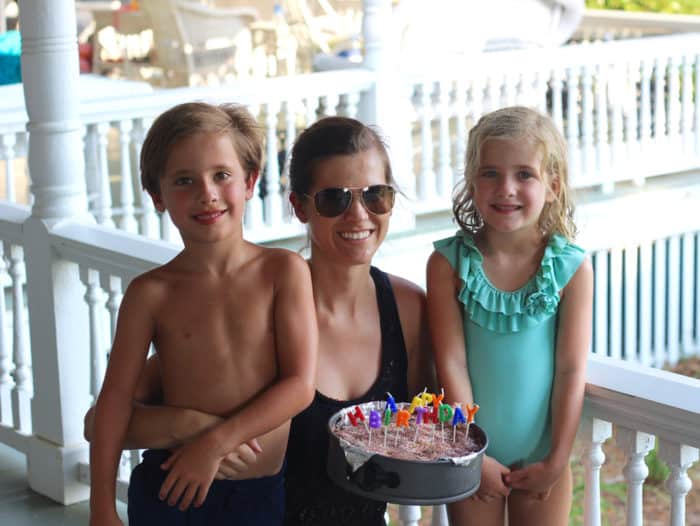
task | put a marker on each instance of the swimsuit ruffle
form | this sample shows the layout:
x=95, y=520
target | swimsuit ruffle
x=504, y=311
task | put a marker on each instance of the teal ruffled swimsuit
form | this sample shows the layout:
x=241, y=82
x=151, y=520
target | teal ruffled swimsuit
x=510, y=339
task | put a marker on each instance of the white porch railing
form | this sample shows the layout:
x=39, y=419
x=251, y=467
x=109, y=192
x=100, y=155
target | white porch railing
x=107, y=260
x=627, y=108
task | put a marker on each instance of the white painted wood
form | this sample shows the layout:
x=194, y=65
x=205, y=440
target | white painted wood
x=645, y=306
x=104, y=195
x=697, y=287
x=273, y=199
x=679, y=458
x=674, y=295
x=329, y=103
x=409, y=515
x=615, y=313
x=7, y=153
x=149, y=223
x=602, y=145
x=674, y=103
x=687, y=104
x=697, y=105
x=557, y=108
x=645, y=124
x=659, y=302
x=631, y=119
x=594, y=433
x=589, y=168
x=631, y=345
x=572, y=128
x=659, y=121
x=6, y=364
x=601, y=290
x=427, y=189
x=127, y=218
x=636, y=446
x=445, y=177
x=690, y=289
x=98, y=355
x=460, y=139
x=23, y=389
x=439, y=516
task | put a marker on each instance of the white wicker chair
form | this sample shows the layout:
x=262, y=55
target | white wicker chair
x=194, y=42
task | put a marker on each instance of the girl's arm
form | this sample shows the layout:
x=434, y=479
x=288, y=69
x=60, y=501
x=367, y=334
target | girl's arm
x=573, y=342
x=447, y=331
x=447, y=336
x=113, y=409
x=413, y=314
x=192, y=467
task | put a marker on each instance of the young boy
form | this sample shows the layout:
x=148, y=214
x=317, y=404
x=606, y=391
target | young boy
x=233, y=325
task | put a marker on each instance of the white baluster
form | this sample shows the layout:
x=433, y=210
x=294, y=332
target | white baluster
x=616, y=99
x=289, y=137
x=659, y=302
x=595, y=433
x=631, y=120
x=149, y=223
x=572, y=128
x=104, y=196
x=22, y=394
x=636, y=446
x=127, y=221
x=350, y=105
x=674, y=106
x=630, y=304
x=557, y=108
x=444, y=181
x=645, y=306
x=439, y=516
x=601, y=127
x=615, y=314
x=477, y=99
x=273, y=195
x=697, y=285
x=254, y=218
x=601, y=290
x=7, y=152
x=426, y=182
x=460, y=130
x=674, y=297
x=645, y=125
x=659, y=124
x=690, y=290
x=114, y=288
x=329, y=104
x=687, y=104
x=98, y=357
x=697, y=105
x=539, y=85
x=493, y=92
x=409, y=515
x=587, y=107
x=311, y=107
x=679, y=458
x=6, y=366
x=511, y=87
x=92, y=166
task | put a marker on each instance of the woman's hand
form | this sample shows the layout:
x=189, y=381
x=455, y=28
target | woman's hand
x=492, y=480
x=235, y=464
x=536, y=479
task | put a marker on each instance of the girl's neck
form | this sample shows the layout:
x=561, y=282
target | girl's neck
x=507, y=243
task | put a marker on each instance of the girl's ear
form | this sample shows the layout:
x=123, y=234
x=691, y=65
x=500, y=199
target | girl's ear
x=157, y=202
x=554, y=187
x=298, y=208
x=250, y=184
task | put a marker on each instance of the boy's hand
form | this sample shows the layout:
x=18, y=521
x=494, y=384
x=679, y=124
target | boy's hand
x=537, y=479
x=492, y=480
x=192, y=469
x=236, y=464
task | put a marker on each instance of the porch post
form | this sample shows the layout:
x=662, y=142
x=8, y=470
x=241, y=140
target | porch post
x=59, y=343
x=387, y=104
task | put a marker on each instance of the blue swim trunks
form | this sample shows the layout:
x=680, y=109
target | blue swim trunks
x=251, y=502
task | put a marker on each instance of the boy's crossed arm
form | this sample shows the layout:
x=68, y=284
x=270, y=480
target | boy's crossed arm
x=193, y=467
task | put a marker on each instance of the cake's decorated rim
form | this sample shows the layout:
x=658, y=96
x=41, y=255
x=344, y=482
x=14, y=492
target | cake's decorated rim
x=357, y=456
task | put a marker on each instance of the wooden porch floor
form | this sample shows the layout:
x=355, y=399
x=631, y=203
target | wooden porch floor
x=20, y=506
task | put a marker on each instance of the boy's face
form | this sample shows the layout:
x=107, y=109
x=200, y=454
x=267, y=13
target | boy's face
x=204, y=188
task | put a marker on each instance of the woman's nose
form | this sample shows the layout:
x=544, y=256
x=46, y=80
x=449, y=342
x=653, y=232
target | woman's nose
x=357, y=207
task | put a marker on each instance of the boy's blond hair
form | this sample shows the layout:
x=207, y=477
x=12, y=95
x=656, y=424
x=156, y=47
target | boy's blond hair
x=185, y=120
x=519, y=122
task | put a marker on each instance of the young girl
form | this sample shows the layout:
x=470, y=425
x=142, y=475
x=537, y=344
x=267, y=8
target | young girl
x=509, y=306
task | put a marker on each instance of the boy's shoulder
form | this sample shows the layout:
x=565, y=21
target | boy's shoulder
x=277, y=259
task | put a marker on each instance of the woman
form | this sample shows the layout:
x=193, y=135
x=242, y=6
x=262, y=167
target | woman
x=372, y=326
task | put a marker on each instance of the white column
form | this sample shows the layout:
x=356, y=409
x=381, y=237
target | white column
x=594, y=433
x=409, y=515
x=60, y=349
x=439, y=516
x=679, y=458
x=636, y=445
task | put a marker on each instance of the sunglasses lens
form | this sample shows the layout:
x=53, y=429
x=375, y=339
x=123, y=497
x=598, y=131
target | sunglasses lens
x=332, y=202
x=379, y=199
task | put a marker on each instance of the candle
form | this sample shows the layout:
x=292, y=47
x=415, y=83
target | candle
x=471, y=411
x=375, y=420
x=356, y=416
x=391, y=403
x=419, y=420
x=416, y=402
x=444, y=414
x=457, y=418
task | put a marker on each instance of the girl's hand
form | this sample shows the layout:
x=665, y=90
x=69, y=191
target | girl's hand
x=537, y=479
x=192, y=469
x=492, y=475
x=237, y=463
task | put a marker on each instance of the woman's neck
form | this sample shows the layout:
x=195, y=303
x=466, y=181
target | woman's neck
x=339, y=287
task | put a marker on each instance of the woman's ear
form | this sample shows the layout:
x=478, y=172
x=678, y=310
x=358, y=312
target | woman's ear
x=298, y=208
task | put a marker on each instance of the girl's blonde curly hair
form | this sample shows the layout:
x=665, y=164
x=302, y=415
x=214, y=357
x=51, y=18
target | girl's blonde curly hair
x=519, y=122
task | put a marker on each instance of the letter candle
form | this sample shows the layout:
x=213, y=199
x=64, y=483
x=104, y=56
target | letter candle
x=471, y=411
x=457, y=418
x=402, y=418
x=444, y=414
x=391, y=403
x=357, y=415
x=419, y=420
x=375, y=421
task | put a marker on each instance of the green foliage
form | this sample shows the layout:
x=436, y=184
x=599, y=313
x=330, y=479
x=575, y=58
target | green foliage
x=691, y=7
x=658, y=470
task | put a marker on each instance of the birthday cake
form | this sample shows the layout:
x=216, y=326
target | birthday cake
x=425, y=452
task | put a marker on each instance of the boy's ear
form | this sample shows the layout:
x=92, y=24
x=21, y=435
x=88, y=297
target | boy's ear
x=298, y=208
x=250, y=184
x=157, y=202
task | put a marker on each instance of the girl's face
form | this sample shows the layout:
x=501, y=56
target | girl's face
x=204, y=188
x=510, y=190
x=355, y=235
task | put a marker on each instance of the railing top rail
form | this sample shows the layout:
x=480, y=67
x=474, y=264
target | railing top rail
x=116, y=252
x=643, y=398
x=12, y=216
x=595, y=18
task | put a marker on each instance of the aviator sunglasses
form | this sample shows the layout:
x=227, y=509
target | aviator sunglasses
x=331, y=202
